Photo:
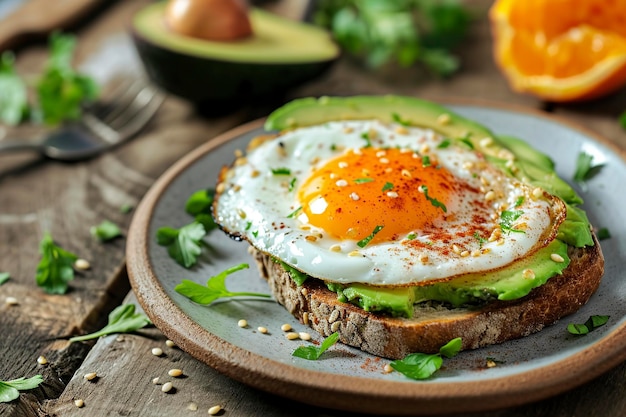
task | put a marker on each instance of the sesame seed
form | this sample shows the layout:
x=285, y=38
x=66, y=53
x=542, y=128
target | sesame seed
x=192, y=407
x=167, y=387
x=237, y=187
x=484, y=142
x=380, y=154
x=485, y=250
x=285, y=327
x=242, y=323
x=175, y=372
x=423, y=259
x=241, y=213
x=387, y=369
x=304, y=227
x=537, y=192
x=341, y=183
x=491, y=363
x=388, y=170
x=90, y=376
x=304, y=336
x=304, y=292
x=82, y=264
x=475, y=253
x=443, y=119
x=383, y=160
x=262, y=329
x=311, y=238
x=354, y=253
x=11, y=301
x=79, y=403
x=292, y=335
x=240, y=161
x=506, y=154
x=305, y=318
x=155, y=381
x=157, y=351
x=169, y=343
x=490, y=195
x=220, y=187
x=348, y=129
x=335, y=248
x=406, y=173
x=484, y=181
x=357, y=151
x=401, y=130
x=343, y=164
x=335, y=326
x=468, y=165
x=214, y=410
x=42, y=360
x=372, y=133
x=528, y=274
x=500, y=241
x=238, y=153
x=456, y=249
x=424, y=149
x=465, y=254
x=255, y=173
x=557, y=258
x=315, y=160
x=365, y=172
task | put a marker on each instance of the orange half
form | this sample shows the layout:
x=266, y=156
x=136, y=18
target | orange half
x=561, y=50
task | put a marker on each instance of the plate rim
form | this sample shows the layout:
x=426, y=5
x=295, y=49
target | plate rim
x=345, y=392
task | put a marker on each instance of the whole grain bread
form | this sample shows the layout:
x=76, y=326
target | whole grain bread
x=434, y=324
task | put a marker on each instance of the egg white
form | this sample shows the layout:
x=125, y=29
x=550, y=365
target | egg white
x=259, y=205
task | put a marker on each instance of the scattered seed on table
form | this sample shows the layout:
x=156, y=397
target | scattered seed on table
x=155, y=380
x=242, y=323
x=175, y=372
x=262, y=329
x=79, y=403
x=285, y=327
x=192, y=407
x=11, y=301
x=169, y=343
x=90, y=376
x=42, y=360
x=82, y=264
x=388, y=369
x=304, y=336
x=292, y=335
x=167, y=387
x=214, y=410
x=157, y=351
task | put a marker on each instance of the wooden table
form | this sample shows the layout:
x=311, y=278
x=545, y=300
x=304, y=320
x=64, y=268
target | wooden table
x=66, y=199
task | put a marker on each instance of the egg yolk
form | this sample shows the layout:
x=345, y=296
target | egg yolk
x=371, y=192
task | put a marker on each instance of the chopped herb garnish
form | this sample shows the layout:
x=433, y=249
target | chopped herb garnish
x=422, y=365
x=396, y=118
x=294, y=213
x=9, y=390
x=126, y=208
x=481, y=240
x=519, y=201
x=388, y=186
x=425, y=161
x=622, y=120
x=507, y=218
x=214, y=289
x=444, y=143
x=333, y=147
x=4, y=277
x=313, y=353
x=106, y=231
x=55, y=268
x=184, y=244
x=292, y=184
x=121, y=320
x=466, y=141
x=363, y=243
x=411, y=236
x=248, y=225
x=281, y=171
x=14, y=99
x=200, y=202
x=363, y=180
x=255, y=233
x=592, y=323
x=433, y=201
x=368, y=142
x=604, y=233
x=584, y=168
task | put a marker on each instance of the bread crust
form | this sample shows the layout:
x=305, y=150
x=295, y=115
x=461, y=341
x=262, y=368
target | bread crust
x=434, y=325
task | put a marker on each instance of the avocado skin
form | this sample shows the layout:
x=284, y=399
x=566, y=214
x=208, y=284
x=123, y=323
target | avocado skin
x=220, y=86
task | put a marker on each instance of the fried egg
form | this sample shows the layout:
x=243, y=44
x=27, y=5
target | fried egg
x=382, y=204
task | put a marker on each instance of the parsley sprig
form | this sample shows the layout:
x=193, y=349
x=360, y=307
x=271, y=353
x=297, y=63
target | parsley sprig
x=9, y=390
x=433, y=201
x=592, y=323
x=122, y=319
x=313, y=353
x=423, y=365
x=364, y=242
x=214, y=289
x=4, y=277
x=56, y=267
x=585, y=169
x=106, y=231
x=184, y=245
x=507, y=218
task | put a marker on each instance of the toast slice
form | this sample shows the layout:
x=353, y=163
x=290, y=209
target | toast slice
x=435, y=324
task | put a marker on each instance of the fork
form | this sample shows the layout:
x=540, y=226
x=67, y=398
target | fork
x=102, y=126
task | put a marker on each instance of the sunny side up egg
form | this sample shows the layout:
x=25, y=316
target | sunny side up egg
x=381, y=204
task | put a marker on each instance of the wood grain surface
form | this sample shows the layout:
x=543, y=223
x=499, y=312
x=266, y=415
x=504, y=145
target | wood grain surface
x=67, y=199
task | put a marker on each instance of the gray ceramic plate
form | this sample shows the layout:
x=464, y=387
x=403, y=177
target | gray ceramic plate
x=534, y=367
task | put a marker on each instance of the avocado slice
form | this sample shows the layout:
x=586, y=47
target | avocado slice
x=280, y=54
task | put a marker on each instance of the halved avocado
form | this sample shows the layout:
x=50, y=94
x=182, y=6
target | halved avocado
x=280, y=55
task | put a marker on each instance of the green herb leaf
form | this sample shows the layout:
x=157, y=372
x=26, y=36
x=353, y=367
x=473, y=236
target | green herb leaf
x=519, y=201
x=388, y=186
x=61, y=90
x=281, y=171
x=184, y=244
x=396, y=118
x=622, y=120
x=422, y=365
x=466, y=141
x=368, y=142
x=200, y=202
x=105, y=231
x=4, y=277
x=507, y=218
x=14, y=97
x=55, y=268
x=363, y=180
x=9, y=390
x=592, y=323
x=433, y=201
x=215, y=288
x=313, y=353
x=603, y=233
x=585, y=170
x=363, y=243
x=577, y=329
x=294, y=213
x=444, y=143
x=411, y=236
x=121, y=320
x=425, y=161
x=126, y=208
x=292, y=184
x=481, y=240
